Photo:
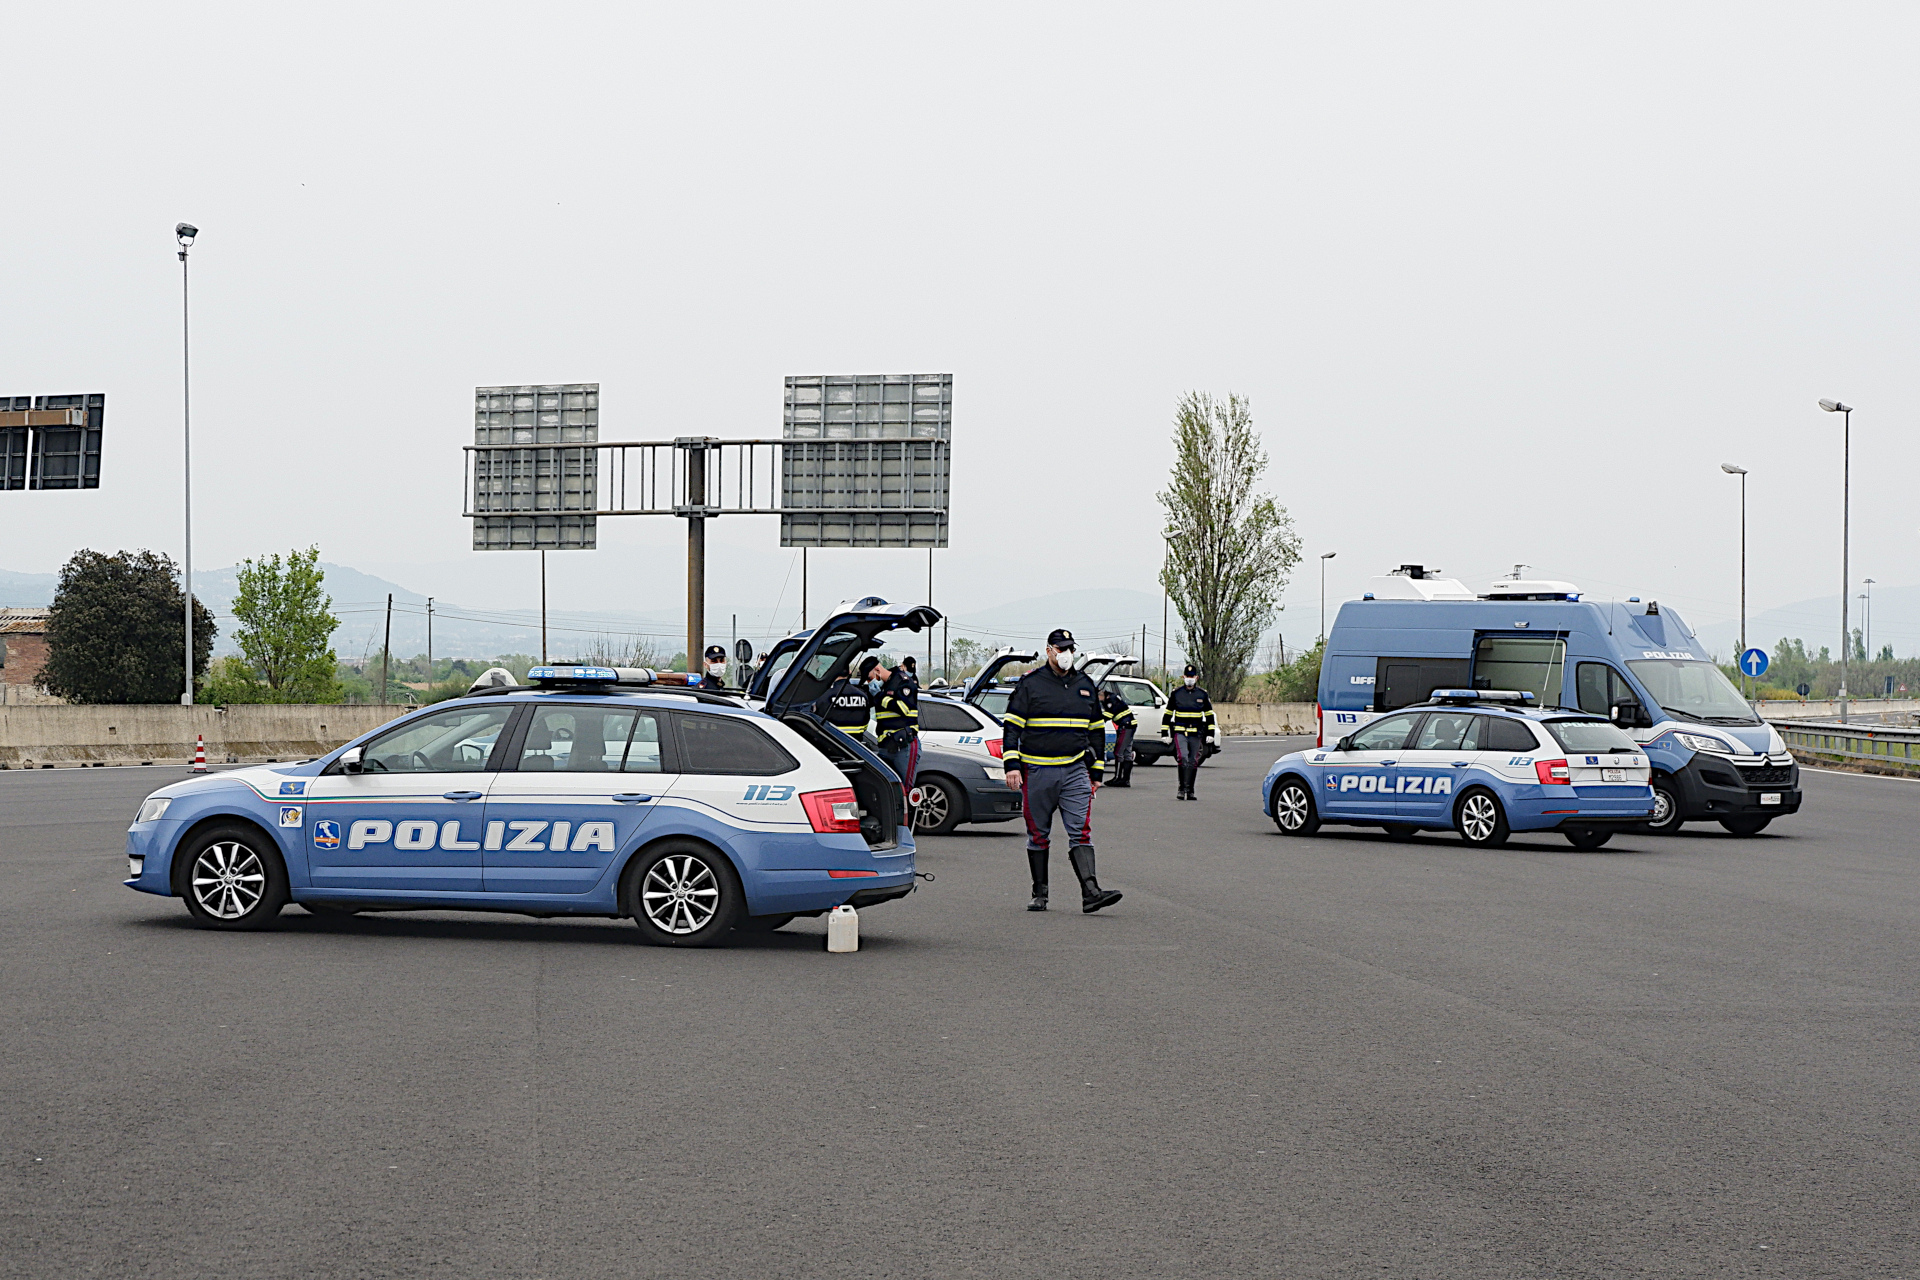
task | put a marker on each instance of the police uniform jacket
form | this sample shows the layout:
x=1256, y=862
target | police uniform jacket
x=1117, y=710
x=845, y=704
x=1190, y=710
x=1054, y=718
x=897, y=709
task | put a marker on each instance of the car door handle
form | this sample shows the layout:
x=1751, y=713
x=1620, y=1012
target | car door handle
x=632, y=797
x=462, y=795
x=1461, y=764
x=1389, y=762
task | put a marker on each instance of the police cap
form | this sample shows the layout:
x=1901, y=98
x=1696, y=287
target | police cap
x=909, y=663
x=867, y=664
x=716, y=653
x=1192, y=670
x=1061, y=638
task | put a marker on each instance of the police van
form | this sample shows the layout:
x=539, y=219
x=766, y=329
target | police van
x=1634, y=662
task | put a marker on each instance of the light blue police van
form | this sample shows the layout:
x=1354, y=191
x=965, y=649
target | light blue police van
x=1634, y=662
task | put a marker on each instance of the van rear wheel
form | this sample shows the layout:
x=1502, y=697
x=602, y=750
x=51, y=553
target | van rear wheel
x=1666, y=809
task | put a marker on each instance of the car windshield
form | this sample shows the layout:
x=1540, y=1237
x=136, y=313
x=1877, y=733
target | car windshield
x=1589, y=735
x=994, y=702
x=1693, y=690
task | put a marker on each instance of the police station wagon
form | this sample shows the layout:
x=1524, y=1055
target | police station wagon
x=1482, y=762
x=592, y=792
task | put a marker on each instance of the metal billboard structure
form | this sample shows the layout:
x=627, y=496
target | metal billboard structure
x=862, y=461
x=51, y=442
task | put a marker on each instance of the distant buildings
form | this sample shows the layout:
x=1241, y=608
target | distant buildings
x=23, y=652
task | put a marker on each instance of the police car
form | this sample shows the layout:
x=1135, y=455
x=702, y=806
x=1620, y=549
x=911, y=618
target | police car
x=1483, y=762
x=593, y=792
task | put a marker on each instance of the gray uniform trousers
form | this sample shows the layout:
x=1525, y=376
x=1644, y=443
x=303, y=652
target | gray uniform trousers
x=1067, y=788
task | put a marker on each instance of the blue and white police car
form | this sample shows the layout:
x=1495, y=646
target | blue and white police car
x=592, y=791
x=1483, y=762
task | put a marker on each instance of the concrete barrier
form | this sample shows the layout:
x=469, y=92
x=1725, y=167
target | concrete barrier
x=33, y=737
x=1241, y=719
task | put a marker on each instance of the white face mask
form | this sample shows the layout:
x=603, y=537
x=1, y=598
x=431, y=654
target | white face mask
x=716, y=668
x=1192, y=681
x=1063, y=659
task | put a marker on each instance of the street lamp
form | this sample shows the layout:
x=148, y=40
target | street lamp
x=1166, y=557
x=1324, y=557
x=1732, y=470
x=1868, y=638
x=184, y=232
x=1846, y=496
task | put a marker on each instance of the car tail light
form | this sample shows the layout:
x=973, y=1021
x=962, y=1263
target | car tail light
x=1319, y=726
x=1551, y=772
x=828, y=811
x=995, y=746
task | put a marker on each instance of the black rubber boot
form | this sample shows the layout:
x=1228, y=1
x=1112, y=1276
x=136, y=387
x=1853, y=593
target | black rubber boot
x=1186, y=782
x=1126, y=773
x=1092, y=896
x=1037, y=864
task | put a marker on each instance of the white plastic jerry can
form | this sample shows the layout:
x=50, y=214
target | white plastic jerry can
x=843, y=929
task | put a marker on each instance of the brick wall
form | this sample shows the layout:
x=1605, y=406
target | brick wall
x=25, y=655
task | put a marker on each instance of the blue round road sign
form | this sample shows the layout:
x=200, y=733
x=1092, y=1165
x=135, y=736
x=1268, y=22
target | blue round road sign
x=1754, y=662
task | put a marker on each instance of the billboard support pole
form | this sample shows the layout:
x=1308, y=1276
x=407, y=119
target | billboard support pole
x=696, y=512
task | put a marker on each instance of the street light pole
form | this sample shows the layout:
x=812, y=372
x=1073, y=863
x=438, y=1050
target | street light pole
x=184, y=233
x=1732, y=470
x=1846, y=513
x=1324, y=557
x=1869, y=619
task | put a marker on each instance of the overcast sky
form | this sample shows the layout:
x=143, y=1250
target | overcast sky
x=1504, y=283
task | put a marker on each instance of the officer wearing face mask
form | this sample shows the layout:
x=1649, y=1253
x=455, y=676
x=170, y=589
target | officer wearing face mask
x=847, y=704
x=1054, y=738
x=1121, y=714
x=896, y=720
x=1190, y=717
x=716, y=675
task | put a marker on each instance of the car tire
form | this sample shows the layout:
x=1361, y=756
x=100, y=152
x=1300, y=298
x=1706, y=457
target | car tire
x=942, y=807
x=1481, y=820
x=762, y=924
x=1745, y=826
x=1401, y=831
x=1294, y=811
x=1666, y=809
x=231, y=877
x=683, y=894
x=1585, y=838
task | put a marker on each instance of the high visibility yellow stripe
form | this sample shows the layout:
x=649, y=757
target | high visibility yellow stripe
x=1052, y=759
x=1059, y=722
x=1019, y=722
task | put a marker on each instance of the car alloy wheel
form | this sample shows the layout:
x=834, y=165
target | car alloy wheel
x=1480, y=820
x=1666, y=811
x=680, y=894
x=939, y=810
x=228, y=880
x=1293, y=810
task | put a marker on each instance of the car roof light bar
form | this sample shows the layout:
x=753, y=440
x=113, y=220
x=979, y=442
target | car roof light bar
x=1510, y=697
x=572, y=675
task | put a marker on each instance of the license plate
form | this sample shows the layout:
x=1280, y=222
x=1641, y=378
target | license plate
x=1613, y=775
x=1770, y=797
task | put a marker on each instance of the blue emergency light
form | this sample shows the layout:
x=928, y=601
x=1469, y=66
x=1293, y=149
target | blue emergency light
x=573, y=675
x=1520, y=696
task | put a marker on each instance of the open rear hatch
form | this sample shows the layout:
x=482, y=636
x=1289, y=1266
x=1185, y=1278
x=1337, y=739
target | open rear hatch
x=821, y=657
x=983, y=679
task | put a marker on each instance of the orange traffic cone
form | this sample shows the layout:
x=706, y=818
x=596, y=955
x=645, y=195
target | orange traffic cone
x=200, y=753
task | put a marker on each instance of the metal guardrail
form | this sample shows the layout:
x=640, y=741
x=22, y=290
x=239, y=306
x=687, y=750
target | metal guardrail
x=1879, y=744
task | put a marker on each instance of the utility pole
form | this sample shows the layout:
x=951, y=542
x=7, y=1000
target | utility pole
x=929, y=601
x=429, y=640
x=184, y=233
x=696, y=549
x=386, y=650
x=803, y=588
x=1846, y=513
x=543, y=606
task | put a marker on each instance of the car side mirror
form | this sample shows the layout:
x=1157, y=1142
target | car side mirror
x=1626, y=714
x=349, y=760
x=1159, y=701
x=1345, y=744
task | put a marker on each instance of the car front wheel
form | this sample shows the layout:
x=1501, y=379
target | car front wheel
x=1480, y=820
x=1293, y=809
x=683, y=895
x=1666, y=809
x=232, y=878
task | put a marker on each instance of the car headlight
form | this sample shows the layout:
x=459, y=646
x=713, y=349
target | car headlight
x=1700, y=742
x=154, y=808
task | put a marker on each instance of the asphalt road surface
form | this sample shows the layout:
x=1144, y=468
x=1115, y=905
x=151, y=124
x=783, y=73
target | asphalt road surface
x=1329, y=1057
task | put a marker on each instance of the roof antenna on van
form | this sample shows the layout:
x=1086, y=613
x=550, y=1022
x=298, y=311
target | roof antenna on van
x=1517, y=569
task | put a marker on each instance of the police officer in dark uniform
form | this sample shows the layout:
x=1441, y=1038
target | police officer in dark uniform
x=1190, y=717
x=912, y=670
x=896, y=721
x=716, y=675
x=1124, y=725
x=846, y=704
x=1054, y=739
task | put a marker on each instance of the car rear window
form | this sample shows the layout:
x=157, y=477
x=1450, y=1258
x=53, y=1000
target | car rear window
x=945, y=717
x=727, y=744
x=1499, y=733
x=1589, y=735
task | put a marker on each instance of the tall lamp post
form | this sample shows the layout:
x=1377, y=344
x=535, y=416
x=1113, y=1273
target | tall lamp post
x=1324, y=557
x=1732, y=470
x=184, y=232
x=1846, y=498
x=1868, y=638
x=1166, y=558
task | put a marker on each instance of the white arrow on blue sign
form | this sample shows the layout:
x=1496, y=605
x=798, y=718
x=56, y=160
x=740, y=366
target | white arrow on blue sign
x=1754, y=662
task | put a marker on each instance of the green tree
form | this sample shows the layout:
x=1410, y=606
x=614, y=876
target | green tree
x=115, y=632
x=1230, y=549
x=284, y=622
x=1299, y=680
